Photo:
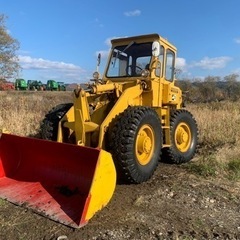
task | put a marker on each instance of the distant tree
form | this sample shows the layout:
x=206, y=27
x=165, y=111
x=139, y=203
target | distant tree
x=196, y=92
x=187, y=87
x=232, y=87
x=209, y=89
x=9, y=64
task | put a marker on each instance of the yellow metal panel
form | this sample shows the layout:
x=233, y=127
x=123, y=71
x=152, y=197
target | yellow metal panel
x=166, y=125
x=90, y=126
x=171, y=94
x=69, y=120
x=126, y=99
x=103, y=184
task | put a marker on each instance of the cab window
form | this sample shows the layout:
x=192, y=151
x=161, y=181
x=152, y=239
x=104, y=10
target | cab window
x=129, y=60
x=169, y=72
x=158, y=71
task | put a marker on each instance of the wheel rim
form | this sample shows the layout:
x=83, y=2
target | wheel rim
x=183, y=137
x=144, y=145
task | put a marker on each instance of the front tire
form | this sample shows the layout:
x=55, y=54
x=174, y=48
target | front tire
x=49, y=125
x=183, y=136
x=136, y=142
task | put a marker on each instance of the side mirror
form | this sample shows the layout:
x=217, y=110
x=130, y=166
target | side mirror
x=155, y=49
x=99, y=59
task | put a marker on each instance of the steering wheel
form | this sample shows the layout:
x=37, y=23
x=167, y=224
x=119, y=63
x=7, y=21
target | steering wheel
x=130, y=71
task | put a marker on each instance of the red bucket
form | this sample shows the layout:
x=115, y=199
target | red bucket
x=60, y=181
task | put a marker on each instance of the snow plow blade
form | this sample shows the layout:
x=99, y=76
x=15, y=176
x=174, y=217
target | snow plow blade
x=66, y=183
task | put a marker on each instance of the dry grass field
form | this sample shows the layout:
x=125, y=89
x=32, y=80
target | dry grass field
x=22, y=112
x=219, y=139
x=218, y=123
x=197, y=200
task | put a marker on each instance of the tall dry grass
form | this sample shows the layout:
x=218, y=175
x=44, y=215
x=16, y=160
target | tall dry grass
x=218, y=123
x=22, y=112
x=219, y=138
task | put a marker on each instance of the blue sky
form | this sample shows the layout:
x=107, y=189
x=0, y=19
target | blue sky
x=60, y=39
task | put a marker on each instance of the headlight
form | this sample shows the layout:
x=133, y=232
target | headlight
x=145, y=73
x=96, y=75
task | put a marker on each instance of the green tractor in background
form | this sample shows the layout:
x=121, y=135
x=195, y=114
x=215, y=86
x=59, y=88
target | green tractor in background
x=35, y=85
x=61, y=86
x=21, y=84
x=52, y=85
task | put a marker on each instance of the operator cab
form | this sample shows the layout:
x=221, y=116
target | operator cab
x=147, y=56
x=129, y=60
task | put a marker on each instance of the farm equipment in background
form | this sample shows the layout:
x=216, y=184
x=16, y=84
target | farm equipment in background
x=52, y=85
x=6, y=86
x=123, y=122
x=61, y=86
x=21, y=84
x=29, y=84
x=35, y=85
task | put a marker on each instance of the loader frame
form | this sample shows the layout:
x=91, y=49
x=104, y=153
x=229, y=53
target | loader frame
x=154, y=91
x=118, y=127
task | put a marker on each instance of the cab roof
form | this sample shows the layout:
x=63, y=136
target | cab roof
x=142, y=38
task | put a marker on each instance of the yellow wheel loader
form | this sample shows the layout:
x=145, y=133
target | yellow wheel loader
x=119, y=126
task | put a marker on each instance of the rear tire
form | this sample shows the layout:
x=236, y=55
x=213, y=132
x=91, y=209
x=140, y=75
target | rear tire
x=136, y=142
x=184, y=137
x=49, y=125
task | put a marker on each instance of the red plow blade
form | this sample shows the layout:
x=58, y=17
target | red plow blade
x=64, y=182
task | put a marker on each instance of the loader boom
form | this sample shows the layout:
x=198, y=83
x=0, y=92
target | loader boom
x=83, y=124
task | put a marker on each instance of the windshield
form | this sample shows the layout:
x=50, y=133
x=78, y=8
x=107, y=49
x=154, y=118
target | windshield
x=129, y=60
